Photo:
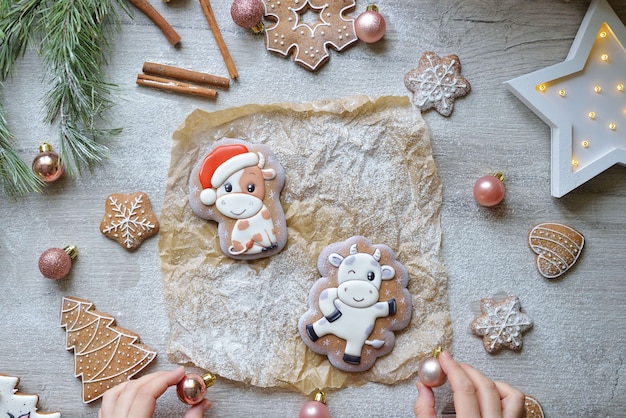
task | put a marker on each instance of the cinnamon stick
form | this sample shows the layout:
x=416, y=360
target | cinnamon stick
x=175, y=86
x=182, y=74
x=210, y=17
x=172, y=36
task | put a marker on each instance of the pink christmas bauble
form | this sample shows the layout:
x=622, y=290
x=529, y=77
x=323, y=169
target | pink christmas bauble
x=489, y=190
x=247, y=13
x=192, y=389
x=54, y=263
x=314, y=409
x=47, y=164
x=430, y=372
x=370, y=26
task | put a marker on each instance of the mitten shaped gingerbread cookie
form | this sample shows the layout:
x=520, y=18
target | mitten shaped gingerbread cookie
x=238, y=185
x=356, y=305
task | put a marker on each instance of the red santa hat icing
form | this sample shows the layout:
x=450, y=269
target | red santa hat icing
x=220, y=164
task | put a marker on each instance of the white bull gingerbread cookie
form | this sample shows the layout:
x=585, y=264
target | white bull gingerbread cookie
x=357, y=304
x=238, y=185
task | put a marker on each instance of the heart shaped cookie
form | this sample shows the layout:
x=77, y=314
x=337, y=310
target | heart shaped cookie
x=557, y=246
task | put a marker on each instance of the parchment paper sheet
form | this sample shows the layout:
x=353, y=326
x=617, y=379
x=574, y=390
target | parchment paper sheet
x=357, y=166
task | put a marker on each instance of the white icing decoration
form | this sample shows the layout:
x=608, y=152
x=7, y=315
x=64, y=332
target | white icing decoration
x=359, y=278
x=253, y=217
x=126, y=220
x=330, y=15
x=436, y=83
x=259, y=225
x=502, y=324
x=18, y=405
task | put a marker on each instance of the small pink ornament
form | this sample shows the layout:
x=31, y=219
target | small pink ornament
x=192, y=389
x=370, y=26
x=316, y=408
x=47, y=164
x=489, y=190
x=429, y=370
x=55, y=263
x=248, y=14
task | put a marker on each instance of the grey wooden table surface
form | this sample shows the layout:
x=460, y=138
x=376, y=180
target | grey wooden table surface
x=573, y=358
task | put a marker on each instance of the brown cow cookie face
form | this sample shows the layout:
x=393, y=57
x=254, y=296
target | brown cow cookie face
x=356, y=305
x=238, y=185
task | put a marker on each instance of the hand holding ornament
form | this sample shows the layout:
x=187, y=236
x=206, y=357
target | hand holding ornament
x=474, y=394
x=137, y=398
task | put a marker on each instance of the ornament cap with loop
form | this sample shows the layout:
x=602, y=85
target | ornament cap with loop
x=45, y=147
x=436, y=352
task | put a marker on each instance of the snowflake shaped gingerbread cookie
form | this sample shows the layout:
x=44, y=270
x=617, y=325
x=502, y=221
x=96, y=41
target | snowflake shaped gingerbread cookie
x=309, y=41
x=501, y=324
x=437, y=82
x=128, y=219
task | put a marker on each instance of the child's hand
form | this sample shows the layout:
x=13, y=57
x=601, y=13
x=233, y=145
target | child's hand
x=474, y=394
x=137, y=398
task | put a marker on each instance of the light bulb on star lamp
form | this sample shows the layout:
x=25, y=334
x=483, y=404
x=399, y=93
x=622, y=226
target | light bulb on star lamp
x=47, y=164
x=370, y=26
x=489, y=190
x=192, y=389
x=315, y=408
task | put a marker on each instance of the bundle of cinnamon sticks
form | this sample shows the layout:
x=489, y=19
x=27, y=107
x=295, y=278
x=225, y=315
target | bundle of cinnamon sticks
x=180, y=80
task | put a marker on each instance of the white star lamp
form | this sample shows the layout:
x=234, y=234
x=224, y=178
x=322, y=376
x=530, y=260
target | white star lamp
x=583, y=99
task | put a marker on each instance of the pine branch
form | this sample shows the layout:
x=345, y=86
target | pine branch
x=17, y=22
x=74, y=39
x=16, y=177
x=73, y=50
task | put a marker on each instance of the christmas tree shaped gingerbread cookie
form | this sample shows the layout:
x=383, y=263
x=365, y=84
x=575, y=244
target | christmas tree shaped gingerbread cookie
x=105, y=355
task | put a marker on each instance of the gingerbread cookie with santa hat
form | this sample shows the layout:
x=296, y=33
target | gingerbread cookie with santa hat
x=237, y=184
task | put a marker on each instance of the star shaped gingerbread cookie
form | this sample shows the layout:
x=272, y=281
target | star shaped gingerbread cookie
x=128, y=219
x=501, y=324
x=436, y=83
